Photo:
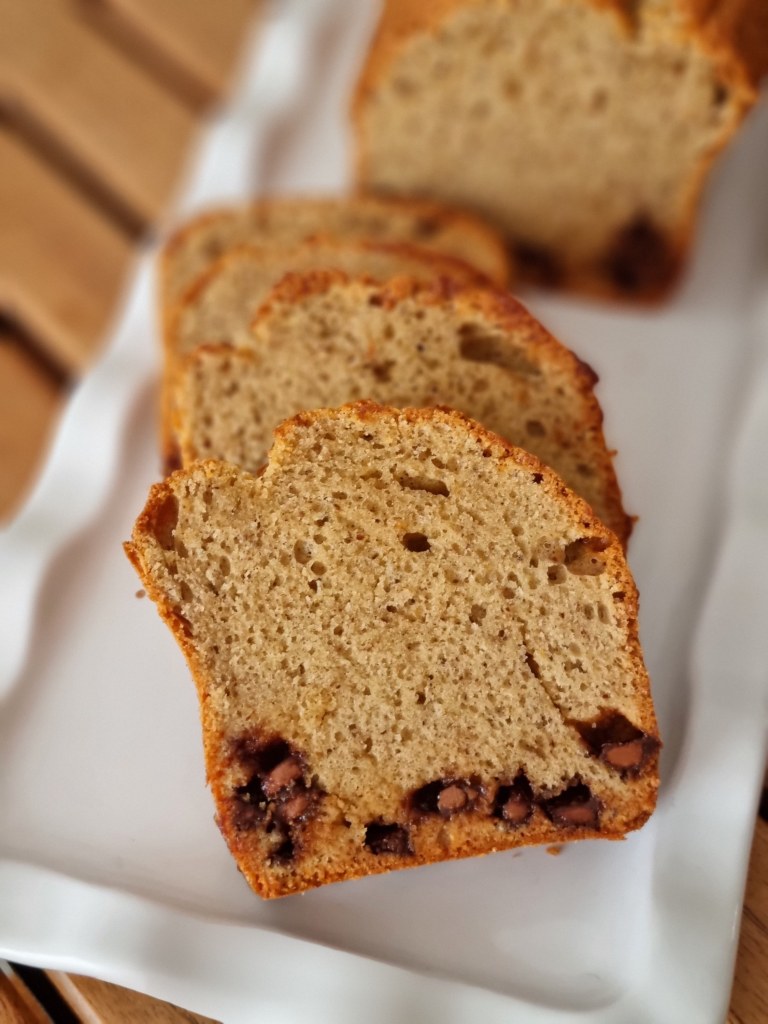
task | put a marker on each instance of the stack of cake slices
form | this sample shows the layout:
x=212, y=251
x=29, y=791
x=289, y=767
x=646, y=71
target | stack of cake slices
x=392, y=548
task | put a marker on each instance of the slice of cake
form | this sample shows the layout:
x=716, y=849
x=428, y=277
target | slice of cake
x=223, y=302
x=287, y=221
x=583, y=129
x=411, y=643
x=324, y=339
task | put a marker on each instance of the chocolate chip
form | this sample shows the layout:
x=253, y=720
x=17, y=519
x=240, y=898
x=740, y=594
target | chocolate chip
x=250, y=805
x=282, y=776
x=270, y=755
x=574, y=808
x=294, y=806
x=514, y=804
x=276, y=797
x=623, y=756
x=640, y=258
x=446, y=797
x=284, y=852
x=538, y=264
x=388, y=838
x=614, y=739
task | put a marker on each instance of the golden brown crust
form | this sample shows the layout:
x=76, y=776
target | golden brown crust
x=509, y=314
x=499, y=262
x=734, y=34
x=473, y=837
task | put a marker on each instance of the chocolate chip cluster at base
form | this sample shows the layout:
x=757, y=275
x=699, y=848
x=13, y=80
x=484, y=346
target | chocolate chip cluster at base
x=411, y=643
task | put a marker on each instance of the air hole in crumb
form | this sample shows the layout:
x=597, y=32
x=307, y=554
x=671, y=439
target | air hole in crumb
x=511, y=88
x=589, y=611
x=535, y=428
x=382, y=371
x=423, y=483
x=603, y=614
x=164, y=519
x=338, y=630
x=186, y=592
x=581, y=556
x=599, y=101
x=557, y=574
x=477, y=345
x=421, y=697
x=532, y=664
x=508, y=593
x=224, y=565
x=318, y=568
x=477, y=614
x=719, y=94
x=302, y=552
x=404, y=86
x=339, y=495
x=313, y=585
x=416, y=542
x=538, y=477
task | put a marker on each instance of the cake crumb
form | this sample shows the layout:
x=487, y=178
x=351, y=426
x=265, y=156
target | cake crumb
x=554, y=851
x=141, y=593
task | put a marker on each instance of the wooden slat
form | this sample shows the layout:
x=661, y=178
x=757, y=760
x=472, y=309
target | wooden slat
x=17, y=1004
x=96, y=1002
x=200, y=41
x=29, y=405
x=91, y=100
x=749, y=999
x=61, y=262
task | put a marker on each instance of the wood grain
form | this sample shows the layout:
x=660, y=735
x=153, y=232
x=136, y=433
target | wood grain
x=200, y=42
x=17, y=1004
x=92, y=101
x=749, y=998
x=62, y=263
x=30, y=401
x=96, y=1002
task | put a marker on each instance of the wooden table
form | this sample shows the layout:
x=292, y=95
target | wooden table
x=101, y=100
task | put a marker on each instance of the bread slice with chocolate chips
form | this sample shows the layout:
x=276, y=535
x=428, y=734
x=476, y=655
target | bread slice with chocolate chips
x=411, y=643
x=225, y=299
x=323, y=339
x=583, y=129
x=282, y=222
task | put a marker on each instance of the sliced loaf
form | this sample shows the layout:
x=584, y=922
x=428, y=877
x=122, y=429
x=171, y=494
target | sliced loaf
x=583, y=129
x=411, y=643
x=223, y=302
x=323, y=339
x=287, y=221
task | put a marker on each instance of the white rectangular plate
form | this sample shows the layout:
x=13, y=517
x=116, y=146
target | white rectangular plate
x=110, y=863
